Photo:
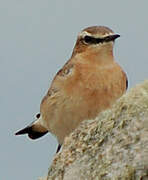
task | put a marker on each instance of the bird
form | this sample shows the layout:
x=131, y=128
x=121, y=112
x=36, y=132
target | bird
x=88, y=83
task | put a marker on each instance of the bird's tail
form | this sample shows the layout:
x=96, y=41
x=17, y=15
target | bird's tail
x=35, y=130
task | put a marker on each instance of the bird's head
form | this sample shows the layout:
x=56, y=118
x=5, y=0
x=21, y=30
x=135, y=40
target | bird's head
x=95, y=39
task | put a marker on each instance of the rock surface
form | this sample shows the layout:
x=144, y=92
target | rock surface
x=111, y=147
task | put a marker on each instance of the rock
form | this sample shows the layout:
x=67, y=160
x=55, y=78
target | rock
x=42, y=178
x=113, y=146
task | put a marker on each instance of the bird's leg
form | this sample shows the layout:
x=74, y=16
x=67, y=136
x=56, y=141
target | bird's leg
x=58, y=149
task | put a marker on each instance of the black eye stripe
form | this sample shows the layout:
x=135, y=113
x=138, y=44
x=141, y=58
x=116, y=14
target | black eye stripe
x=89, y=39
x=92, y=40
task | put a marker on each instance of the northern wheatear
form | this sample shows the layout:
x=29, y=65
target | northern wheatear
x=88, y=83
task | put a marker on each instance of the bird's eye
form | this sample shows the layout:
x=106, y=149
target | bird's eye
x=88, y=39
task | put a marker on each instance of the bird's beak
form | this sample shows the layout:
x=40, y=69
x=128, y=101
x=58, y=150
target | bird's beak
x=111, y=37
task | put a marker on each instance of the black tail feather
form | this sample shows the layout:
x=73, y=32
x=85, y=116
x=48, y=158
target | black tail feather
x=31, y=132
x=26, y=130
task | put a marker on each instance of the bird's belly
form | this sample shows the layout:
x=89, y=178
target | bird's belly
x=69, y=111
x=82, y=100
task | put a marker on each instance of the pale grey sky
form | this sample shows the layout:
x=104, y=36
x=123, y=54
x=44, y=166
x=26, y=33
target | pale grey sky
x=36, y=39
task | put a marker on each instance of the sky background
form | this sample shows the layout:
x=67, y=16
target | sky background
x=36, y=39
